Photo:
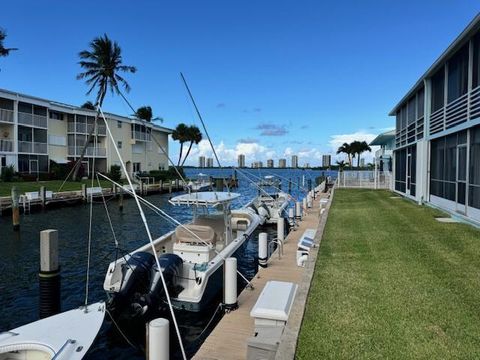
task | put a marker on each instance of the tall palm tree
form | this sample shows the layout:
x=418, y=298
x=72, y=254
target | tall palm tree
x=3, y=50
x=194, y=136
x=180, y=133
x=102, y=64
x=146, y=113
x=346, y=149
x=359, y=147
x=341, y=165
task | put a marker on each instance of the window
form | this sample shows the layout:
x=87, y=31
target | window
x=137, y=167
x=476, y=60
x=420, y=103
x=411, y=112
x=138, y=148
x=119, y=144
x=458, y=74
x=55, y=115
x=438, y=90
x=6, y=104
x=57, y=140
x=474, y=186
x=25, y=108
x=119, y=124
x=40, y=110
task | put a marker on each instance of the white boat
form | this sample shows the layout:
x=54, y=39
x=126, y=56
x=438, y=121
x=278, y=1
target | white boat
x=191, y=257
x=201, y=183
x=271, y=202
x=67, y=335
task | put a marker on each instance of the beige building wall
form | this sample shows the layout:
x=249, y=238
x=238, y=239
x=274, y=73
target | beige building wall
x=57, y=140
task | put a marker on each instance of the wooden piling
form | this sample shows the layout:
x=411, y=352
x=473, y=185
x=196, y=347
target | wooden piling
x=120, y=200
x=42, y=196
x=15, y=209
x=84, y=192
x=49, y=275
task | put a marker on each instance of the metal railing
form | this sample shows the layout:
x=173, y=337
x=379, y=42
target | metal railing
x=32, y=120
x=138, y=135
x=6, y=115
x=32, y=147
x=366, y=179
x=90, y=151
x=6, y=145
x=86, y=128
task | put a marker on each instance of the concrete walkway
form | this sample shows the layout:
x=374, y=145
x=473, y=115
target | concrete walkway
x=229, y=338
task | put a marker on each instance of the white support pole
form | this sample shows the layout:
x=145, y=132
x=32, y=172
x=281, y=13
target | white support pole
x=262, y=249
x=230, y=286
x=281, y=229
x=304, y=203
x=158, y=339
x=376, y=174
x=291, y=213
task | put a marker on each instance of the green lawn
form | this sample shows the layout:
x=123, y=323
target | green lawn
x=53, y=185
x=391, y=282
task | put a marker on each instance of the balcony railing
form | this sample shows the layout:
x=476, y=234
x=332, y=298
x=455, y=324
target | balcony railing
x=32, y=120
x=383, y=153
x=141, y=136
x=6, y=115
x=32, y=147
x=6, y=145
x=85, y=129
x=90, y=151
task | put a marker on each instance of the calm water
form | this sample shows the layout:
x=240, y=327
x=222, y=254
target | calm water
x=19, y=260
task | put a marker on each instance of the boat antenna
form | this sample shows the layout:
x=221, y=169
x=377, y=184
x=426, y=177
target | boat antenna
x=147, y=228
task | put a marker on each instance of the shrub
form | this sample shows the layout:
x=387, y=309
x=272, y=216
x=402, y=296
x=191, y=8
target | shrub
x=7, y=173
x=115, y=173
x=164, y=175
x=58, y=171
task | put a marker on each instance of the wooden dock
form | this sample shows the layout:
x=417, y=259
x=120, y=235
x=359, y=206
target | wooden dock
x=229, y=338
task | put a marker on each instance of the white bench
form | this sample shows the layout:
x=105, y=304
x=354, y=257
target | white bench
x=305, y=243
x=271, y=313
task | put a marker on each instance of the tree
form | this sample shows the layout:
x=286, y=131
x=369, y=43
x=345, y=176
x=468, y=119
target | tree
x=88, y=105
x=346, y=149
x=341, y=165
x=194, y=135
x=180, y=133
x=102, y=64
x=359, y=147
x=146, y=113
x=3, y=50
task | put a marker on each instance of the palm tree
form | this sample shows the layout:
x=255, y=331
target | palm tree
x=180, y=133
x=88, y=105
x=3, y=50
x=194, y=136
x=102, y=64
x=359, y=147
x=341, y=165
x=346, y=149
x=146, y=113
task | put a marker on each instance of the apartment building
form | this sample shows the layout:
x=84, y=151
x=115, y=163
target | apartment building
x=294, y=161
x=201, y=161
x=270, y=163
x=282, y=163
x=209, y=162
x=326, y=160
x=241, y=161
x=437, y=137
x=36, y=131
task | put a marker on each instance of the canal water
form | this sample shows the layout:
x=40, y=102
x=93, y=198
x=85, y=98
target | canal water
x=19, y=260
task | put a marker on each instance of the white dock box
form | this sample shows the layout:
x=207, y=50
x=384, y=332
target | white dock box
x=274, y=303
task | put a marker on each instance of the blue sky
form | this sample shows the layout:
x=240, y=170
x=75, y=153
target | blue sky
x=271, y=78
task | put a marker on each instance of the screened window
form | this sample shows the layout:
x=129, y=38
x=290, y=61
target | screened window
x=438, y=90
x=25, y=108
x=40, y=110
x=411, y=112
x=6, y=104
x=420, y=103
x=474, y=186
x=403, y=115
x=458, y=74
x=476, y=60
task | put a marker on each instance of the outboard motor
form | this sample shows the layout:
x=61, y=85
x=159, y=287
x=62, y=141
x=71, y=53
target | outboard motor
x=171, y=267
x=264, y=212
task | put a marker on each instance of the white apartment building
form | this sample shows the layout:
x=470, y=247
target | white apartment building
x=294, y=161
x=209, y=162
x=36, y=131
x=282, y=163
x=241, y=161
x=201, y=161
x=326, y=160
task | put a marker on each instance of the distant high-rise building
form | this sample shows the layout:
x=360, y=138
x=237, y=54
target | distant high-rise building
x=326, y=160
x=241, y=161
x=270, y=163
x=201, y=161
x=362, y=162
x=209, y=162
x=260, y=164
x=294, y=161
x=282, y=163
x=307, y=166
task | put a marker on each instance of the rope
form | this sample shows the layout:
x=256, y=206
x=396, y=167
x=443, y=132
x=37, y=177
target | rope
x=219, y=307
x=108, y=215
x=121, y=332
x=150, y=238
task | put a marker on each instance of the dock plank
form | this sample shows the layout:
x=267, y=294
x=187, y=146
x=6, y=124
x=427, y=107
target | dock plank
x=229, y=338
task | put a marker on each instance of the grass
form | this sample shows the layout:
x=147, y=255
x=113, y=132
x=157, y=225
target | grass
x=53, y=185
x=392, y=282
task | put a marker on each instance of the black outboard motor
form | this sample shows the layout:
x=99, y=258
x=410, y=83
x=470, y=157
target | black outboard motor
x=171, y=266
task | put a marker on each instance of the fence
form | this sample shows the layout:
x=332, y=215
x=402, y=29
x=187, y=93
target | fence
x=367, y=179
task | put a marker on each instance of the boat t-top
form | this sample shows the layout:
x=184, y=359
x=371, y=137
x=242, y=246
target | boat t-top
x=191, y=257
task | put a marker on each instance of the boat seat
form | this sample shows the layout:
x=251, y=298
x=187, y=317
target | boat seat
x=205, y=233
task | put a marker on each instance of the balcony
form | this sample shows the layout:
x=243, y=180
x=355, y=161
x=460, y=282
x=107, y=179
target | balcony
x=89, y=152
x=32, y=120
x=6, y=145
x=383, y=153
x=85, y=129
x=140, y=136
x=32, y=147
x=6, y=115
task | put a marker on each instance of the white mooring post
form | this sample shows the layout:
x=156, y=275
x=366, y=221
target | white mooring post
x=375, y=174
x=230, y=285
x=158, y=339
x=262, y=249
x=291, y=213
x=281, y=229
x=298, y=210
x=304, y=203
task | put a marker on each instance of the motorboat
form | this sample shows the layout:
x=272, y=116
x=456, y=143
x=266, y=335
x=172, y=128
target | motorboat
x=67, y=335
x=191, y=258
x=201, y=183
